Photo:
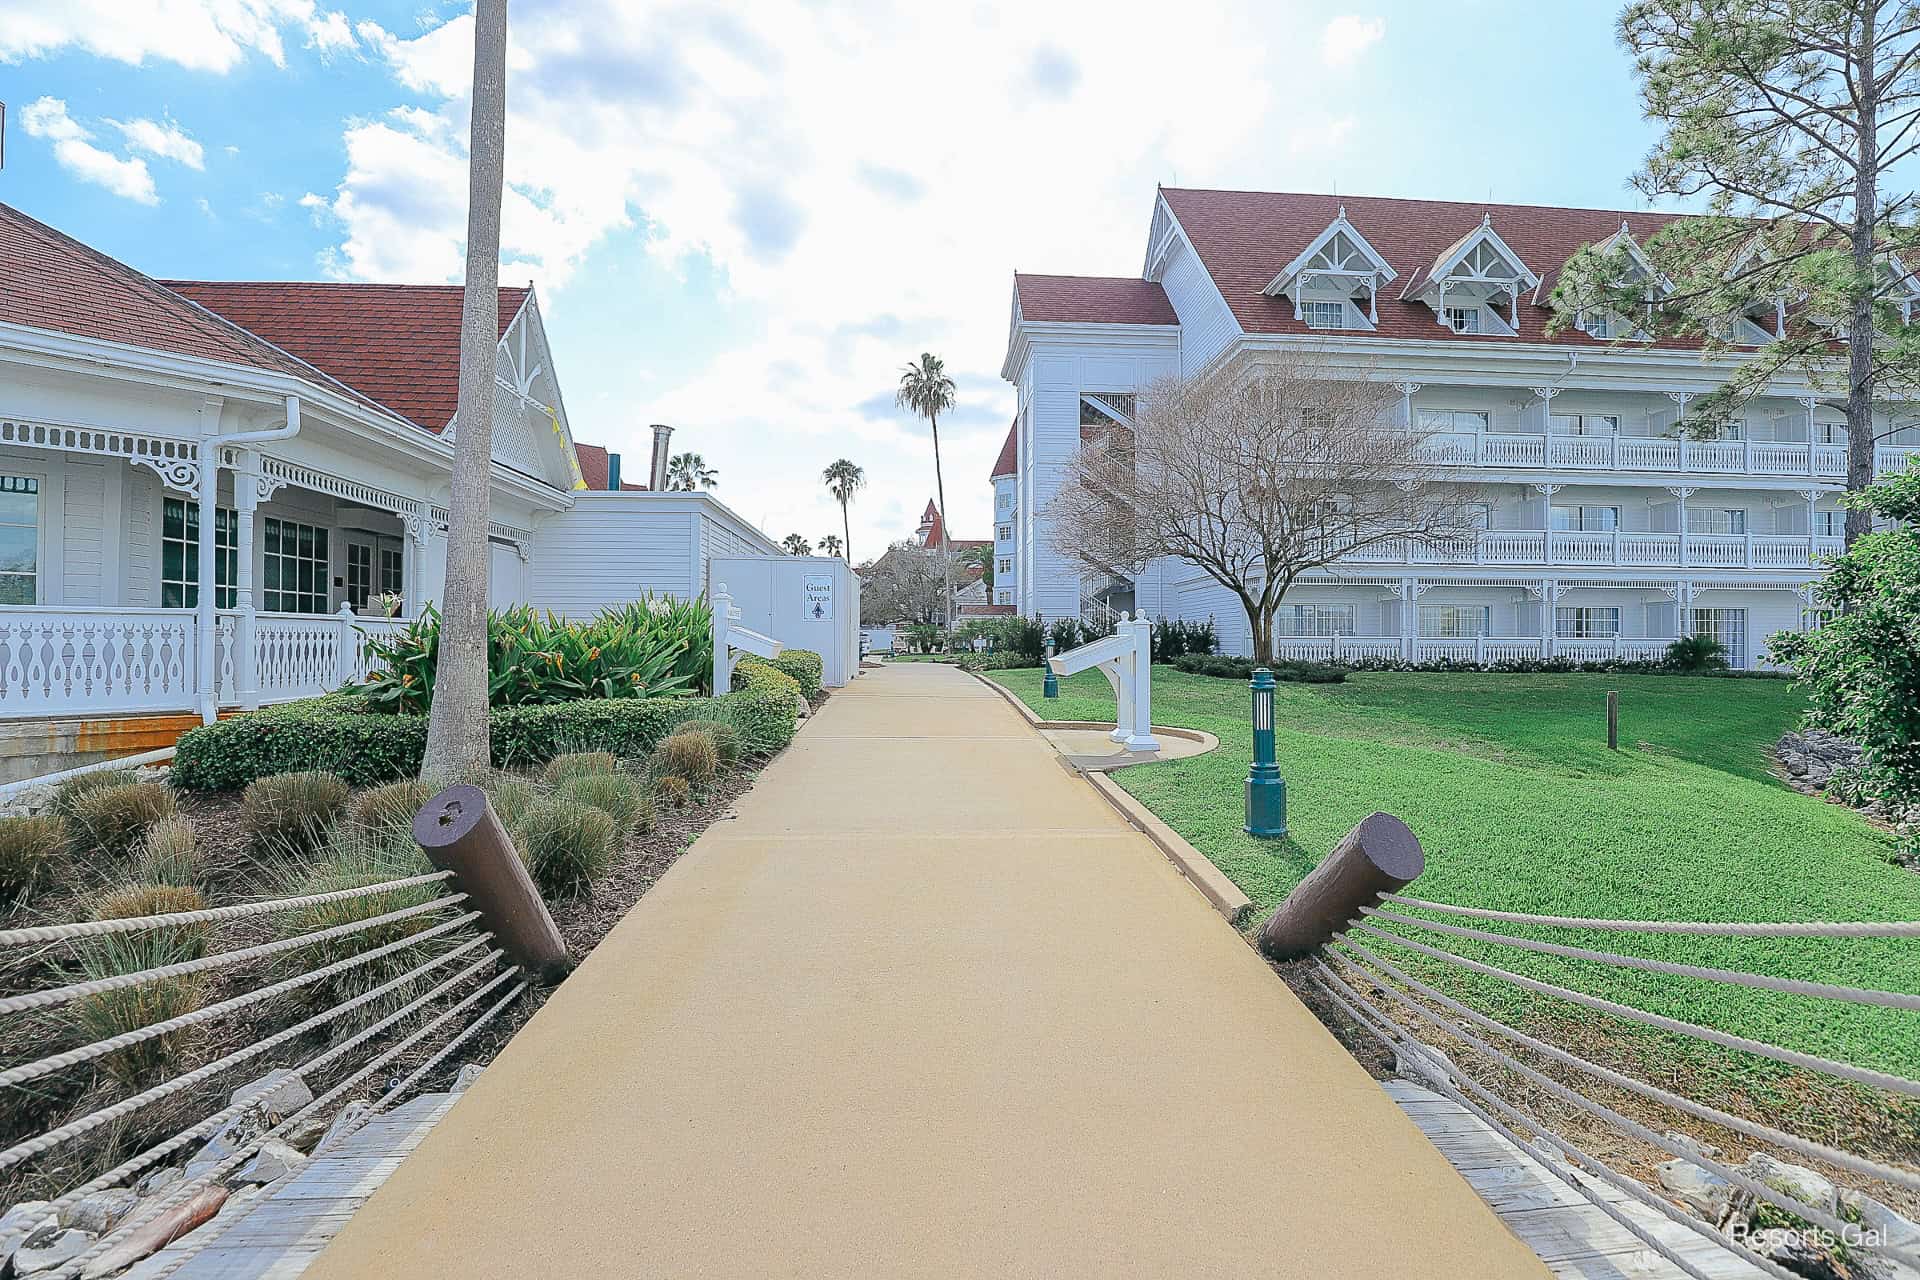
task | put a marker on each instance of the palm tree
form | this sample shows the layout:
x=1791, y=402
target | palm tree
x=926, y=389
x=843, y=479
x=830, y=544
x=457, y=720
x=689, y=471
x=795, y=545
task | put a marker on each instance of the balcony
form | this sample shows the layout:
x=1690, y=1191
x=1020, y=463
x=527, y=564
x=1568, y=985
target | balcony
x=1563, y=549
x=1655, y=454
x=1480, y=650
x=100, y=661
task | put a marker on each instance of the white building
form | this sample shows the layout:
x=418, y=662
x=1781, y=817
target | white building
x=317, y=422
x=1603, y=533
x=1006, y=496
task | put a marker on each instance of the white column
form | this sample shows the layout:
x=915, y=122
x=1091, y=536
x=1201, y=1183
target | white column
x=722, y=605
x=246, y=656
x=413, y=561
x=1809, y=402
x=1549, y=593
x=206, y=621
x=1682, y=493
x=346, y=660
x=1140, y=677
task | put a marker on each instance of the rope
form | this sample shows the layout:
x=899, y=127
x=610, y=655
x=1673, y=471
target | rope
x=1813, y=929
x=1790, y=986
x=1801, y=1146
x=1393, y=1039
x=188, y=1186
x=1792, y=1057
x=106, y=1115
x=99, y=986
x=73, y=1057
x=1633, y=1128
x=134, y=924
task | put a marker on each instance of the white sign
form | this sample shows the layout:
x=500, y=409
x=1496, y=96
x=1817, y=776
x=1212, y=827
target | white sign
x=818, y=604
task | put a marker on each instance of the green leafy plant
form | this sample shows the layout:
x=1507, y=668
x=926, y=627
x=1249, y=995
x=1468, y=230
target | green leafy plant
x=762, y=676
x=293, y=810
x=112, y=1013
x=566, y=845
x=579, y=764
x=614, y=794
x=352, y=860
x=1691, y=655
x=28, y=847
x=1228, y=668
x=386, y=812
x=670, y=791
x=726, y=739
x=114, y=820
x=689, y=755
x=68, y=793
x=170, y=855
x=805, y=666
x=512, y=797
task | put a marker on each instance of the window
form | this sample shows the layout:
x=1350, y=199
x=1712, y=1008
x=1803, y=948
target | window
x=1003, y=533
x=1452, y=419
x=1455, y=621
x=1829, y=524
x=19, y=540
x=298, y=568
x=359, y=575
x=1315, y=620
x=1829, y=433
x=393, y=571
x=1584, y=622
x=1597, y=324
x=1477, y=515
x=180, y=555
x=1003, y=597
x=1463, y=319
x=1729, y=627
x=1586, y=519
x=1716, y=520
x=1325, y=315
x=1006, y=502
x=1585, y=424
x=1003, y=565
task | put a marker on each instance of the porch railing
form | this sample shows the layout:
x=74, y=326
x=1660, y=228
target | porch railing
x=57, y=661
x=1479, y=650
x=1609, y=548
x=1657, y=453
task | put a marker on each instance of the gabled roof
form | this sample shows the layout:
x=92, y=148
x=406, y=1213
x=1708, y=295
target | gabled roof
x=1008, y=463
x=397, y=343
x=51, y=281
x=595, y=468
x=1244, y=238
x=1092, y=300
x=1335, y=229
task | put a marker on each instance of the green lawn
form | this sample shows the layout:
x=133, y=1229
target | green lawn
x=1508, y=783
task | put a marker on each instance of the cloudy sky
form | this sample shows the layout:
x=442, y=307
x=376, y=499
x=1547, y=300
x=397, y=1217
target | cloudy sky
x=744, y=219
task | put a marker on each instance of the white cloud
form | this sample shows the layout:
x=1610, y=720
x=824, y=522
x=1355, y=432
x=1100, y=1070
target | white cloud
x=74, y=151
x=1318, y=133
x=203, y=35
x=1348, y=36
x=163, y=139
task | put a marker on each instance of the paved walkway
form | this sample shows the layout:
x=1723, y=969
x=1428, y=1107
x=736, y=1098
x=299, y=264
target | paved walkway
x=927, y=1008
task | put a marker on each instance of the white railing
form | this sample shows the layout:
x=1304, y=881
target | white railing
x=1656, y=453
x=1598, y=549
x=1478, y=650
x=92, y=661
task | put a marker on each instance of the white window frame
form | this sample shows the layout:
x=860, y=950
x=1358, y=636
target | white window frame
x=1735, y=520
x=274, y=528
x=1586, y=621
x=1458, y=318
x=1006, y=502
x=226, y=556
x=1003, y=565
x=1459, y=420
x=1711, y=622
x=1312, y=310
x=1455, y=621
x=1577, y=515
x=1318, y=620
x=1586, y=424
x=1829, y=524
x=39, y=572
x=391, y=570
x=1003, y=533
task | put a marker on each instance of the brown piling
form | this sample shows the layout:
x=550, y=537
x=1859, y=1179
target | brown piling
x=1378, y=856
x=461, y=834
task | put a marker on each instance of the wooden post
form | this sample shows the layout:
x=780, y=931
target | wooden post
x=461, y=834
x=1379, y=856
x=1613, y=719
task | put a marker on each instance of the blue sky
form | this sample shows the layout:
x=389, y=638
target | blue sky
x=743, y=221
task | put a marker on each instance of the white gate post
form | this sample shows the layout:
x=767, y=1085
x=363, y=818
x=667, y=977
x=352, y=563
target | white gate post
x=722, y=613
x=1139, y=729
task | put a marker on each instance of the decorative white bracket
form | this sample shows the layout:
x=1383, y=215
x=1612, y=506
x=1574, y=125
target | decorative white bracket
x=729, y=638
x=1126, y=659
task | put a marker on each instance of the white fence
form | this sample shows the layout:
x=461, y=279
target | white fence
x=1659, y=453
x=63, y=662
x=1479, y=650
x=1632, y=550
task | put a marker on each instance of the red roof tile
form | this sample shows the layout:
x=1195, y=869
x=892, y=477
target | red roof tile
x=1094, y=299
x=595, y=468
x=1009, y=460
x=987, y=610
x=398, y=343
x=1245, y=239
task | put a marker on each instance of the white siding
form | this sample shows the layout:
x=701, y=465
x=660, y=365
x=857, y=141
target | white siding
x=85, y=516
x=719, y=539
x=140, y=566
x=609, y=551
x=1206, y=323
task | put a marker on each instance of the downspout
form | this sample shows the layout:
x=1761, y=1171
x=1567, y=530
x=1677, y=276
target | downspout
x=206, y=619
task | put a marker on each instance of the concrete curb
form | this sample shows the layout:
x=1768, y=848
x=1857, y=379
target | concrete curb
x=1212, y=882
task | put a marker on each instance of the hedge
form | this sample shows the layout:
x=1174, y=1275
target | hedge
x=757, y=674
x=805, y=666
x=1286, y=672
x=340, y=733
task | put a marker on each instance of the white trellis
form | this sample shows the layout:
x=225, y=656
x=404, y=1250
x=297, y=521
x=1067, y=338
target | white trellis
x=1125, y=658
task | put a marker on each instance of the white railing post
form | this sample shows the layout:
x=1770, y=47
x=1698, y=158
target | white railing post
x=722, y=661
x=347, y=660
x=246, y=657
x=1140, y=677
x=1479, y=650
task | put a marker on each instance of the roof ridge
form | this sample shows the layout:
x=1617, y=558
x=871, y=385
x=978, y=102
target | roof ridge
x=1463, y=204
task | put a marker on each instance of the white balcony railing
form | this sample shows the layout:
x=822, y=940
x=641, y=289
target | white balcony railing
x=1660, y=453
x=1479, y=650
x=92, y=661
x=1564, y=548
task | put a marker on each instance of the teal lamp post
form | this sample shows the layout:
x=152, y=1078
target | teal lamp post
x=1050, y=683
x=1266, y=790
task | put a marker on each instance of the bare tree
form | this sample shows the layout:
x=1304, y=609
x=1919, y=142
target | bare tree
x=1256, y=479
x=907, y=584
x=457, y=741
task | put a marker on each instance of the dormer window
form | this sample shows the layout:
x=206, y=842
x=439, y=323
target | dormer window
x=1470, y=278
x=1463, y=319
x=1335, y=282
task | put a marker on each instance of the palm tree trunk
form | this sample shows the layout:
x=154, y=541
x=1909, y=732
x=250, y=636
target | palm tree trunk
x=846, y=532
x=457, y=744
x=940, y=492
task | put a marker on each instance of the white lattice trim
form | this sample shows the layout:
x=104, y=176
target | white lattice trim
x=505, y=532
x=176, y=461
x=367, y=495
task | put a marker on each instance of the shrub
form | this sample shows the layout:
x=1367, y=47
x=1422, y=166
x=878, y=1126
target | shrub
x=170, y=855
x=386, y=812
x=68, y=793
x=28, y=846
x=765, y=720
x=1287, y=672
x=512, y=798
x=670, y=791
x=131, y=901
x=687, y=755
x=756, y=675
x=566, y=845
x=726, y=739
x=351, y=860
x=1176, y=638
x=805, y=666
x=1692, y=655
x=115, y=819
x=113, y=1013
x=293, y=810
x=615, y=795
x=578, y=764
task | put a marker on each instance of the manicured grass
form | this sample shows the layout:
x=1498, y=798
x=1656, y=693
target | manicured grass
x=1508, y=783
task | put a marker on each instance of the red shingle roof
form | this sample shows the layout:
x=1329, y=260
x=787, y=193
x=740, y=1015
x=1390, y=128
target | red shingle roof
x=1009, y=460
x=398, y=343
x=595, y=468
x=987, y=610
x=1245, y=238
x=1094, y=299
x=52, y=281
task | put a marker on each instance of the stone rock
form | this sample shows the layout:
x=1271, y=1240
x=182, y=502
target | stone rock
x=1419, y=1068
x=277, y=1094
x=17, y=1223
x=468, y=1074
x=1802, y=1184
x=227, y=1141
x=99, y=1212
x=1691, y=1143
x=1797, y=1253
x=274, y=1161
x=346, y=1122
x=49, y=1245
x=1707, y=1194
x=1895, y=1231
x=157, y=1181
